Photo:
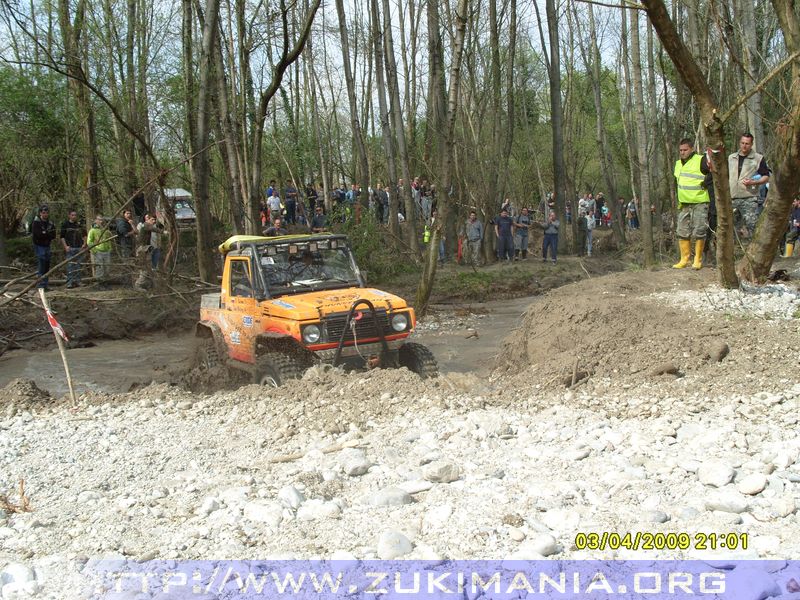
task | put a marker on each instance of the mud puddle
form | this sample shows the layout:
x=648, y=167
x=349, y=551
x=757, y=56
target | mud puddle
x=110, y=366
x=464, y=338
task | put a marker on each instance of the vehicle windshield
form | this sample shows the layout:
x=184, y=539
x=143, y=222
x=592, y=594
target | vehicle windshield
x=293, y=267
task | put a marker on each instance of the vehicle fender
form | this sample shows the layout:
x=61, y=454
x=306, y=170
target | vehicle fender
x=271, y=341
x=206, y=329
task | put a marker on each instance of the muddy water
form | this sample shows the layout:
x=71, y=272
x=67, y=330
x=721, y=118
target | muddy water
x=119, y=365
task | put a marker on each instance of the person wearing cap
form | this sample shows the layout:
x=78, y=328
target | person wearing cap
x=73, y=238
x=99, y=242
x=43, y=232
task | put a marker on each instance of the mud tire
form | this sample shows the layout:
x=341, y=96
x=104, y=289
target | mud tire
x=276, y=368
x=208, y=357
x=420, y=360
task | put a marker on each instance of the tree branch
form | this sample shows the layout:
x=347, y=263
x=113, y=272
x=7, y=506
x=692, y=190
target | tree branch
x=767, y=78
x=631, y=5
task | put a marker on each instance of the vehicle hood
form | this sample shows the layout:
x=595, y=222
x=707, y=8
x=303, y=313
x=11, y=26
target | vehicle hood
x=314, y=305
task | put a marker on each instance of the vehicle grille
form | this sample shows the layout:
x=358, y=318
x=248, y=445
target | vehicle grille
x=365, y=327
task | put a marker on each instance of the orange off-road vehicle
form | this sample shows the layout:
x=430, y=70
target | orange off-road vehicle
x=292, y=301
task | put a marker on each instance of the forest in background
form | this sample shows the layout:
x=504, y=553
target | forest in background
x=487, y=99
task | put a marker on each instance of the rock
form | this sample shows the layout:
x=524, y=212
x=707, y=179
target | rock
x=290, y=497
x=436, y=517
x=146, y=556
x=185, y=404
x=393, y=544
x=666, y=368
x=752, y=484
x=14, y=590
x=315, y=509
x=516, y=534
x=544, y=544
x=513, y=519
x=783, y=507
x=729, y=501
x=784, y=459
x=440, y=471
x=715, y=474
x=390, y=496
x=429, y=457
x=209, y=505
x=88, y=496
x=561, y=519
x=718, y=350
x=357, y=467
x=415, y=486
x=16, y=573
x=657, y=516
x=688, y=513
x=262, y=511
x=525, y=551
x=576, y=454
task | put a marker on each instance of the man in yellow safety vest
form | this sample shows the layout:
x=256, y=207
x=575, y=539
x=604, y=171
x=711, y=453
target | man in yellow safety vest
x=692, y=177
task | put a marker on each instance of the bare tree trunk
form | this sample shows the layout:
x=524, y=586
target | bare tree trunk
x=603, y=147
x=361, y=150
x=785, y=181
x=626, y=104
x=437, y=102
x=73, y=34
x=386, y=132
x=556, y=115
x=641, y=142
x=446, y=171
x=200, y=165
x=694, y=79
x=409, y=72
x=654, y=157
x=399, y=131
x=323, y=163
x=229, y=148
x=751, y=75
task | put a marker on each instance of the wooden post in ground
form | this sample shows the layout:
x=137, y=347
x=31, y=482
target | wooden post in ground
x=60, y=337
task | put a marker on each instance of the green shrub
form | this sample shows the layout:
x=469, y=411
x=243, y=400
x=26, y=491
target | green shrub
x=374, y=249
x=20, y=248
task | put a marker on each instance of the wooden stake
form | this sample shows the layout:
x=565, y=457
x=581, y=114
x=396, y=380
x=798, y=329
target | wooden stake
x=61, y=349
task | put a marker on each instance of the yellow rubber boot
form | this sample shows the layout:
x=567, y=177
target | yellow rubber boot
x=789, y=250
x=699, y=246
x=686, y=249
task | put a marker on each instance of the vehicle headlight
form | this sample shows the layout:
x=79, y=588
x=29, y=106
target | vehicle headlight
x=400, y=322
x=311, y=334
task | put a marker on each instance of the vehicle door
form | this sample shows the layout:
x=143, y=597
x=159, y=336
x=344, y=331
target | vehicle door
x=242, y=308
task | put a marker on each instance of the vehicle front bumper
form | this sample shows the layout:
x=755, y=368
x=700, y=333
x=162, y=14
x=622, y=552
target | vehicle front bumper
x=365, y=350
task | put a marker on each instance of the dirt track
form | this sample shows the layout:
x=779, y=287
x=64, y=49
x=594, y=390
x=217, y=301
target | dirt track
x=121, y=365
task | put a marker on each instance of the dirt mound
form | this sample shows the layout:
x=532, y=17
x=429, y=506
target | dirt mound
x=623, y=328
x=334, y=401
x=23, y=391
